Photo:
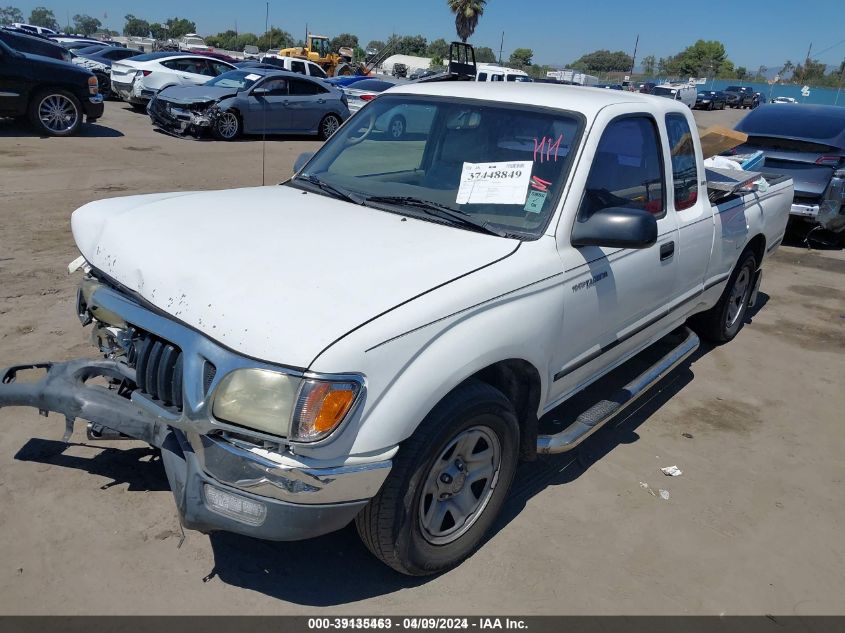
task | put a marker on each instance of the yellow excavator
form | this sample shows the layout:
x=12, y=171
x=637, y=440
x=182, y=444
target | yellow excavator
x=318, y=50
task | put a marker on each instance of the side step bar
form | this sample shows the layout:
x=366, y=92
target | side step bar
x=605, y=410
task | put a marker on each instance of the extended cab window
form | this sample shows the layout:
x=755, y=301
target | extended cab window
x=684, y=166
x=627, y=170
x=298, y=67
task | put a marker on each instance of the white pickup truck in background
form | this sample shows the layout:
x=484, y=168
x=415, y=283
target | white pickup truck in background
x=381, y=338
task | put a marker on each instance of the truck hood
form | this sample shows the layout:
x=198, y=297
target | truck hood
x=274, y=273
x=196, y=94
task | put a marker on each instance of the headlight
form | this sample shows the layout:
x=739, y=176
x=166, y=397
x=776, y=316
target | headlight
x=93, y=85
x=257, y=398
x=304, y=410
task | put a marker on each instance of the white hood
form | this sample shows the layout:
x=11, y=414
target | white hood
x=273, y=272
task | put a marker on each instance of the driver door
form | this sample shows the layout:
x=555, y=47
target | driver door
x=267, y=108
x=614, y=298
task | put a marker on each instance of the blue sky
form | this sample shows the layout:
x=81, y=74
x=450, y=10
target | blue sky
x=755, y=32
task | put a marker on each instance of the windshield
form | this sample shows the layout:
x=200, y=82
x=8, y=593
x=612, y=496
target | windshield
x=237, y=79
x=501, y=165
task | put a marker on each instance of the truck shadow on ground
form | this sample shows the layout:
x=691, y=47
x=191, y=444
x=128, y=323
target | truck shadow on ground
x=12, y=128
x=336, y=569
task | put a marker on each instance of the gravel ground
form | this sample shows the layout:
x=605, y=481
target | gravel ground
x=754, y=525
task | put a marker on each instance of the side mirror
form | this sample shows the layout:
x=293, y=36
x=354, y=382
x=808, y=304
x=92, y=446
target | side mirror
x=616, y=227
x=300, y=161
x=260, y=92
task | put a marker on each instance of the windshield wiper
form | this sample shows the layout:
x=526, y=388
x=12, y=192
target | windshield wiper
x=441, y=211
x=337, y=192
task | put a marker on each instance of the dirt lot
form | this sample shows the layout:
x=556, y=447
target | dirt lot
x=754, y=524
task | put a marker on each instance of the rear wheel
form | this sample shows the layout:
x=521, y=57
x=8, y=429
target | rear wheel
x=55, y=112
x=448, y=483
x=723, y=321
x=227, y=127
x=328, y=126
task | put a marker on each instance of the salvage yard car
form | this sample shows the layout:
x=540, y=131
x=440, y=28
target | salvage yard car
x=387, y=330
x=137, y=79
x=710, y=100
x=55, y=95
x=806, y=142
x=251, y=101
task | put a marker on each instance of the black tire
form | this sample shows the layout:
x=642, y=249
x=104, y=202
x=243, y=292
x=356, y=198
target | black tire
x=391, y=525
x=722, y=322
x=227, y=127
x=397, y=127
x=55, y=112
x=328, y=126
x=711, y=106
x=104, y=83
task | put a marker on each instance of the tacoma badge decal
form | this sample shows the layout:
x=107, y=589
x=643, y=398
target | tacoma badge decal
x=589, y=283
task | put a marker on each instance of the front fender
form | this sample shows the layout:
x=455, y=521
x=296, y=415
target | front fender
x=410, y=372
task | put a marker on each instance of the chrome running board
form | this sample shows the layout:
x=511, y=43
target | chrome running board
x=605, y=410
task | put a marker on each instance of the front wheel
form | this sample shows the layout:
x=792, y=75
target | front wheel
x=55, y=112
x=723, y=321
x=328, y=126
x=227, y=127
x=448, y=483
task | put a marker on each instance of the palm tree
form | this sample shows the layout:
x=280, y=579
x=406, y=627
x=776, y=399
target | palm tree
x=467, y=13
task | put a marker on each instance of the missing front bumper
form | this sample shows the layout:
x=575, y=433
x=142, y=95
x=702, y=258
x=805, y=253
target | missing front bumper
x=220, y=486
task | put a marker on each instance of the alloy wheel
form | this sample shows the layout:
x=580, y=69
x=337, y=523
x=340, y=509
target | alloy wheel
x=58, y=113
x=739, y=296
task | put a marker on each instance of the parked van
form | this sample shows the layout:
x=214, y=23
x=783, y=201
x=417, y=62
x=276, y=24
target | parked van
x=685, y=93
x=489, y=72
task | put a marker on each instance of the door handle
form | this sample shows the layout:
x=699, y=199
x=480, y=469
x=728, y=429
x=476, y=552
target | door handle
x=321, y=100
x=666, y=251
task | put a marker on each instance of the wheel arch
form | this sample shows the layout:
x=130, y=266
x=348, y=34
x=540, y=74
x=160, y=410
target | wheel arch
x=757, y=245
x=520, y=381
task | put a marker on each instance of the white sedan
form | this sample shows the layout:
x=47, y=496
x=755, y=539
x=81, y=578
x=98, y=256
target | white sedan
x=138, y=79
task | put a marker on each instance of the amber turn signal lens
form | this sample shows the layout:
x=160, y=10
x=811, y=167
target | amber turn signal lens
x=322, y=407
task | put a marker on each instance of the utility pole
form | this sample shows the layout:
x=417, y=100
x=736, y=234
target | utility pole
x=501, y=47
x=267, y=21
x=806, y=63
x=634, y=56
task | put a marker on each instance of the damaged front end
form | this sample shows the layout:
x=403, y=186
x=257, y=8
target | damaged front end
x=831, y=215
x=156, y=383
x=183, y=119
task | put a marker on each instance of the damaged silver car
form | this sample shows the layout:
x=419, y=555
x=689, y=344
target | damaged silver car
x=250, y=101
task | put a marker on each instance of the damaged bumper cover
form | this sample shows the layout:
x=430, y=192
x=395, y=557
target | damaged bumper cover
x=180, y=119
x=222, y=478
x=829, y=211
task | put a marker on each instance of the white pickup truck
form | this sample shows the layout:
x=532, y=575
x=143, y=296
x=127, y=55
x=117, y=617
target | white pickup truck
x=381, y=337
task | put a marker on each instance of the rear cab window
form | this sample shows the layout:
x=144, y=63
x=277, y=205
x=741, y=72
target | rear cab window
x=627, y=169
x=684, y=162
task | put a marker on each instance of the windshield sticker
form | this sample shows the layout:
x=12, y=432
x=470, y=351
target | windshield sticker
x=545, y=147
x=539, y=184
x=494, y=183
x=536, y=200
x=252, y=77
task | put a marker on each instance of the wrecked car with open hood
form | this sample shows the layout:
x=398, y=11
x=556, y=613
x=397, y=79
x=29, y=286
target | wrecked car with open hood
x=250, y=101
